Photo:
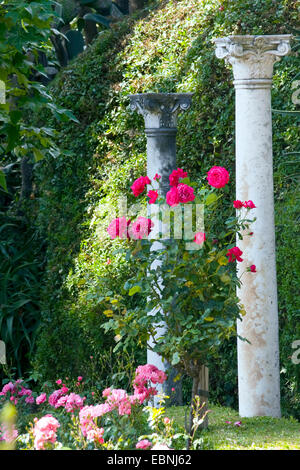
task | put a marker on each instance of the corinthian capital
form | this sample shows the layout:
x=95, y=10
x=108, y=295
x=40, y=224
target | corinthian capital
x=160, y=110
x=252, y=57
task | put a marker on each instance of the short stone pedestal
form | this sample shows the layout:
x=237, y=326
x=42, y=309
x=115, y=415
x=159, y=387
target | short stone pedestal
x=160, y=111
x=252, y=59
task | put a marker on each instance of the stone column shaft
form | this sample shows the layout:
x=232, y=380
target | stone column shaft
x=252, y=58
x=160, y=112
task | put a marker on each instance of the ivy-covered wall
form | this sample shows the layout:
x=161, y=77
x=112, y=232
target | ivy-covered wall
x=167, y=49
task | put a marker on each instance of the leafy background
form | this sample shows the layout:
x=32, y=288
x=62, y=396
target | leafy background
x=167, y=48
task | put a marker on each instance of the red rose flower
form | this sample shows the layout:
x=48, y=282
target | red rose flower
x=172, y=197
x=157, y=177
x=176, y=175
x=185, y=193
x=238, y=204
x=234, y=254
x=118, y=227
x=249, y=204
x=153, y=195
x=200, y=237
x=218, y=176
x=139, y=185
x=252, y=268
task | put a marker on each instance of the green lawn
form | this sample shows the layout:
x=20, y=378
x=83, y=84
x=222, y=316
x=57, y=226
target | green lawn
x=254, y=433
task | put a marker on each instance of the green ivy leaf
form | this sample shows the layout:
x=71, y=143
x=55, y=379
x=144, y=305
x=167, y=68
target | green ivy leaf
x=134, y=290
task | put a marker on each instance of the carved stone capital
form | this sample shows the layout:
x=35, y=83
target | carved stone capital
x=160, y=110
x=253, y=57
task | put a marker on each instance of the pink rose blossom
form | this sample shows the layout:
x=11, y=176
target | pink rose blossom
x=176, y=175
x=249, y=204
x=185, y=193
x=140, y=228
x=10, y=387
x=41, y=398
x=29, y=399
x=252, y=268
x=144, y=444
x=139, y=185
x=218, y=177
x=118, y=228
x=157, y=177
x=59, y=382
x=200, y=237
x=55, y=396
x=95, y=435
x=172, y=197
x=153, y=195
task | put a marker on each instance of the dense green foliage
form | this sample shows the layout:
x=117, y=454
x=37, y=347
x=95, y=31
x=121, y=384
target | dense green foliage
x=168, y=50
x=25, y=29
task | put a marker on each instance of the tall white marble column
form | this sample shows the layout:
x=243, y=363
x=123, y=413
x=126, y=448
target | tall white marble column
x=160, y=111
x=252, y=59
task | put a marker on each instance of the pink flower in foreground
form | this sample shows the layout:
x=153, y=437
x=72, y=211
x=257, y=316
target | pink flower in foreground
x=145, y=444
x=140, y=228
x=249, y=204
x=238, y=204
x=153, y=195
x=45, y=431
x=237, y=423
x=218, y=176
x=234, y=254
x=41, y=398
x=228, y=422
x=172, y=197
x=59, y=382
x=139, y=185
x=10, y=387
x=200, y=237
x=185, y=193
x=95, y=435
x=79, y=378
x=29, y=399
x=157, y=177
x=252, y=268
x=176, y=175
x=118, y=228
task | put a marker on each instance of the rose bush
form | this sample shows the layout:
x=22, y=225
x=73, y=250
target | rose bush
x=191, y=291
x=68, y=420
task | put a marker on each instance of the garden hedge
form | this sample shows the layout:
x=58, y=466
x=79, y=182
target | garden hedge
x=167, y=48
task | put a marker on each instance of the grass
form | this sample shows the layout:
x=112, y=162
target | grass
x=254, y=433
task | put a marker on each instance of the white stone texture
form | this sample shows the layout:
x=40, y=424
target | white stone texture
x=252, y=59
